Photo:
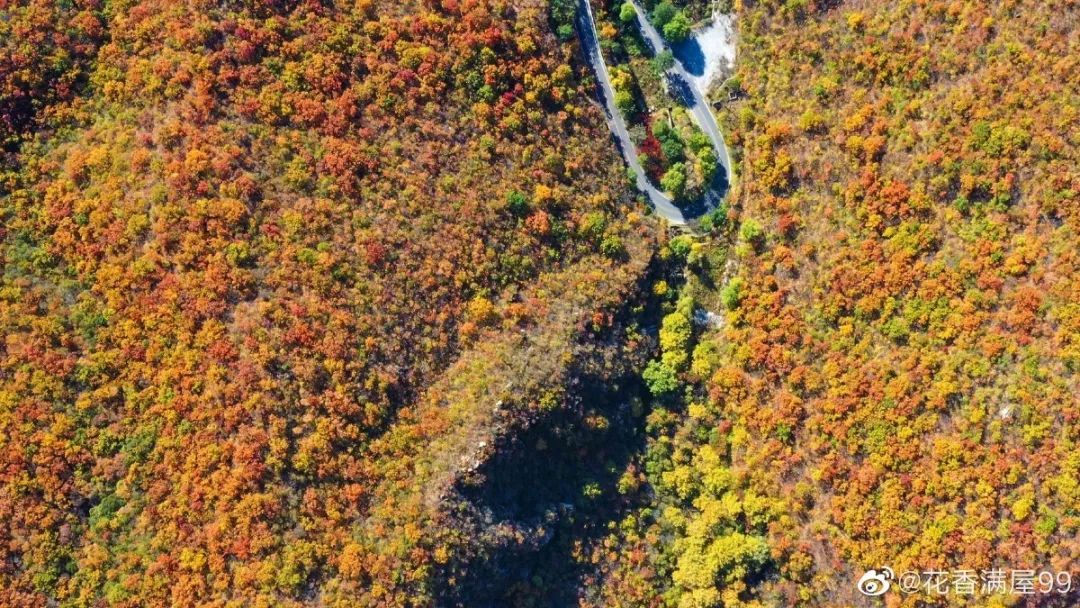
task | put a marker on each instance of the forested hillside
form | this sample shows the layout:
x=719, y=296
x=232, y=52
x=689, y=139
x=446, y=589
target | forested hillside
x=893, y=381
x=45, y=49
x=310, y=303
x=243, y=246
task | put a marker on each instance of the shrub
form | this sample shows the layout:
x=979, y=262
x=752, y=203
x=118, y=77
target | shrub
x=731, y=295
x=664, y=61
x=674, y=181
x=517, y=204
x=751, y=232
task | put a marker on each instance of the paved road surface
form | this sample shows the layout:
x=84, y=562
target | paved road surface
x=699, y=106
x=590, y=44
x=694, y=100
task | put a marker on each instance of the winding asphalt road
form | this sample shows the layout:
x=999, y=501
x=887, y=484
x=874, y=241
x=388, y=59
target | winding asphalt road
x=699, y=109
x=591, y=46
x=700, y=106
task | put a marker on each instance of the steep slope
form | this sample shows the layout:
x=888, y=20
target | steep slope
x=894, y=379
x=267, y=232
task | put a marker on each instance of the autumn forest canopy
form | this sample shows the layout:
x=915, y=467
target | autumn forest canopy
x=317, y=303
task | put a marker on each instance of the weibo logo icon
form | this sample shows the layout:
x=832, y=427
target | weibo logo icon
x=875, y=583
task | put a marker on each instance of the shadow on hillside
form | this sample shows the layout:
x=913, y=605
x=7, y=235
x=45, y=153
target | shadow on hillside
x=549, y=490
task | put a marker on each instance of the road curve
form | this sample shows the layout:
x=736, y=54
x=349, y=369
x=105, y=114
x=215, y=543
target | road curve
x=700, y=107
x=697, y=105
x=590, y=44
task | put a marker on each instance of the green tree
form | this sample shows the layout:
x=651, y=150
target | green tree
x=680, y=246
x=659, y=378
x=707, y=163
x=627, y=12
x=664, y=61
x=731, y=295
x=751, y=231
x=674, y=181
x=663, y=13
x=562, y=13
x=670, y=142
x=678, y=28
x=624, y=100
x=698, y=141
x=715, y=219
x=612, y=246
x=517, y=204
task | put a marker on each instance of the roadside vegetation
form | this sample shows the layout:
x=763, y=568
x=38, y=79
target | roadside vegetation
x=676, y=154
x=888, y=375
